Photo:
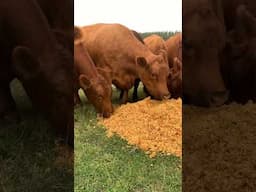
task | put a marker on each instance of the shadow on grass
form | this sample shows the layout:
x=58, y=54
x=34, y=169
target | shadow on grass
x=28, y=153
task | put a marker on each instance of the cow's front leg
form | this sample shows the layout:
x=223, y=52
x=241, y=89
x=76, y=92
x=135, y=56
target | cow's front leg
x=125, y=97
x=121, y=94
x=135, y=90
x=8, y=110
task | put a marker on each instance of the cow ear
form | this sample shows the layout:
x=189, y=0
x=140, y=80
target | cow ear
x=25, y=65
x=84, y=82
x=245, y=23
x=142, y=62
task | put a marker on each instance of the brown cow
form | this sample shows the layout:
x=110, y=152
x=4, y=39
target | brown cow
x=97, y=90
x=29, y=51
x=157, y=45
x=203, y=40
x=174, y=48
x=175, y=79
x=239, y=58
x=115, y=48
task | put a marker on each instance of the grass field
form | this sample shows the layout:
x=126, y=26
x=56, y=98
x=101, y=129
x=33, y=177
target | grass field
x=28, y=153
x=110, y=165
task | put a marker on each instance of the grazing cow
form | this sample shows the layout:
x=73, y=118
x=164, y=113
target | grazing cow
x=97, y=90
x=203, y=41
x=156, y=45
x=175, y=79
x=29, y=51
x=113, y=47
x=174, y=48
x=239, y=64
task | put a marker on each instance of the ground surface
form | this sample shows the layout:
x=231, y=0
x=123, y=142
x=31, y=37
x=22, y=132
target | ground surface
x=29, y=158
x=111, y=165
x=219, y=145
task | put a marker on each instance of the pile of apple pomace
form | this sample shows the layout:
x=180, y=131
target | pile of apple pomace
x=153, y=126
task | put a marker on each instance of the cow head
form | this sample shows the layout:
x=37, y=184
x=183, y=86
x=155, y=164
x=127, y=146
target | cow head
x=153, y=73
x=99, y=93
x=203, y=40
x=48, y=82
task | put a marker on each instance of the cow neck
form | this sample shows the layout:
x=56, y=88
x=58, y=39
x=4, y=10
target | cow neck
x=140, y=49
x=84, y=61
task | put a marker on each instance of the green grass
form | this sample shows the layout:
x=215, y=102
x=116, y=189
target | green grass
x=27, y=153
x=109, y=165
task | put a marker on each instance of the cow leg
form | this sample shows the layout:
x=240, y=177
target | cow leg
x=121, y=94
x=8, y=110
x=125, y=97
x=77, y=100
x=135, y=90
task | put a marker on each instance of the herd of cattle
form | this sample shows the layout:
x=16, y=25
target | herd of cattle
x=36, y=46
x=107, y=54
